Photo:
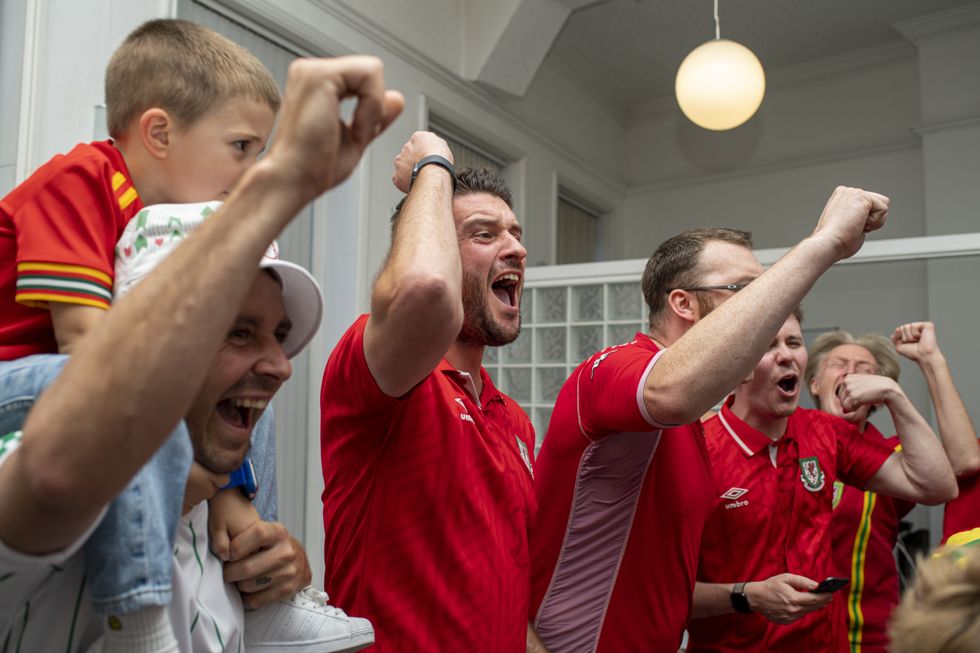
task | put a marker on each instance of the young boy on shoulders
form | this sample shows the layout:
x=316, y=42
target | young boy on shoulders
x=188, y=111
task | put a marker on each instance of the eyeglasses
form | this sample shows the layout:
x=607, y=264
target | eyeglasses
x=734, y=287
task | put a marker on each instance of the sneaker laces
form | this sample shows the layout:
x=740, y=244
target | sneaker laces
x=311, y=597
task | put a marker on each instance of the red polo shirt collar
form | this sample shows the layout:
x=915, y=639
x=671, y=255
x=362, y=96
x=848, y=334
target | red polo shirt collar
x=749, y=440
x=465, y=381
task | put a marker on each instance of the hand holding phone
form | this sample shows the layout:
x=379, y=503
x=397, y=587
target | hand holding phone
x=830, y=584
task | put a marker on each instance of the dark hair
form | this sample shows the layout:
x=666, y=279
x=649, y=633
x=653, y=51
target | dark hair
x=676, y=263
x=469, y=181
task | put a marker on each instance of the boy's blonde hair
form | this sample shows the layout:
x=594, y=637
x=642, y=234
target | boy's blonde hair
x=940, y=613
x=184, y=69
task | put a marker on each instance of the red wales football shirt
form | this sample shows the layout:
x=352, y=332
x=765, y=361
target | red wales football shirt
x=623, y=499
x=963, y=512
x=58, y=232
x=428, y=503
x=864, y=529
x=772, y=510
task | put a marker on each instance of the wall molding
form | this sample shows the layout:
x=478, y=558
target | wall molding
x=780, y=165
x=27, y=122
x=286, y=23
x=939, y=24
x=890, y=250
x=947, y=125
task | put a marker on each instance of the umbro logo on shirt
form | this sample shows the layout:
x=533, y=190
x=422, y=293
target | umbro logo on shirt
x=465, y=415
x=734, y=494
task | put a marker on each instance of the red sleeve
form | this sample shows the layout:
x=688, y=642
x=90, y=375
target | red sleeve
x=610, y=391
x=67, y=224
x=351, y=403
x=859, y=455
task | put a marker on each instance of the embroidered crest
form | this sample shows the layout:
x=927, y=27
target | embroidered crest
x=838, y=493
x=525, y=455
x=811, y=474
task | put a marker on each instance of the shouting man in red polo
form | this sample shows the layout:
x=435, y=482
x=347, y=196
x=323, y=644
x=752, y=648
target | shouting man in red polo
x=767, y=543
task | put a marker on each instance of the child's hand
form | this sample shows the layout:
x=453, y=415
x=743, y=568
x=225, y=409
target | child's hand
x=229, y=514
x=202, y=484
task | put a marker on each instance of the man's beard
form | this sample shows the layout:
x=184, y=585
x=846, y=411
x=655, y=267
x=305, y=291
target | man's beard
x=479, y=327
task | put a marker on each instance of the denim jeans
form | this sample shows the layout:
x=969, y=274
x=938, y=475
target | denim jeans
x=129, y=557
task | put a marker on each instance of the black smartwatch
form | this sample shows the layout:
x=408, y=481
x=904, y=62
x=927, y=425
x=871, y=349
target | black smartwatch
x=739, y=601
x=437, y=160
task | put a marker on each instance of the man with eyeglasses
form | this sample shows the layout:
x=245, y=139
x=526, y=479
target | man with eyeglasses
x=767, y=543
x=623, y=476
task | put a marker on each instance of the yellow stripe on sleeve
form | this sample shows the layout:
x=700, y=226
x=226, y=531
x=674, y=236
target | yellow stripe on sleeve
x=127, y=198
x=41, y=300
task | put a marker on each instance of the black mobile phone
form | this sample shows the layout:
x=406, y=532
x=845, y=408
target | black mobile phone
x=830, y=584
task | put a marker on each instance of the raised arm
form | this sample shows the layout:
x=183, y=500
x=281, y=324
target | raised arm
x=917, y=341
x=707, y=362
x=102, y=419
x=920, y=471
x=416, y=305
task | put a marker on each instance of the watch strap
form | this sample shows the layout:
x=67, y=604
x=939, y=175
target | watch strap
x=437, y=160
x=739, y=600
x=244, y=477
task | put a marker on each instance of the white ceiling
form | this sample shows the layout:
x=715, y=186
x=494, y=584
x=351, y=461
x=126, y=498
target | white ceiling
x=628, y=51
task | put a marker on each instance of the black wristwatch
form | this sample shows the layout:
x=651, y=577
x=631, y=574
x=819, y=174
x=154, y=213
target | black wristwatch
x=739, y=601
x=439, y=161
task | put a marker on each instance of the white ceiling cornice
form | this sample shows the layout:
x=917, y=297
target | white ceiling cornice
x=940, y=23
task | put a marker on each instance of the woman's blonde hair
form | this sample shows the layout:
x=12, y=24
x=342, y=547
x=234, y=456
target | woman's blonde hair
x=940, y=612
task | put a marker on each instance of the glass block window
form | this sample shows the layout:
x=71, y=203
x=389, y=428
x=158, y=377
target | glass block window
x=578, y=230
x=562, y=326
x=468, y=151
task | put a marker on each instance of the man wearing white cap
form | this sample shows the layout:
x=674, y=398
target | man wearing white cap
x=280, y=316
x=204, y=338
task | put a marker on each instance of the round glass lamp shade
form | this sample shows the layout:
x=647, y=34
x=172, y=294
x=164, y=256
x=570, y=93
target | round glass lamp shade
x=720, y=85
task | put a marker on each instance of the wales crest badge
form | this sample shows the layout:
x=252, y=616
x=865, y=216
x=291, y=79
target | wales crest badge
x=811, y=474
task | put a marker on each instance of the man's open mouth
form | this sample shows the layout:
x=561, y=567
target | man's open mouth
x=241, y=412
x=789, y=383
x=505, y=288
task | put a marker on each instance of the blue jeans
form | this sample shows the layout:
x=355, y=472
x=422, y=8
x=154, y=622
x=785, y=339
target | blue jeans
x=129, y=557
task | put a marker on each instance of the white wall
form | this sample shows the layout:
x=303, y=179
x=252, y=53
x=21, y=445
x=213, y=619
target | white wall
x=772, y=175
x=13, y=17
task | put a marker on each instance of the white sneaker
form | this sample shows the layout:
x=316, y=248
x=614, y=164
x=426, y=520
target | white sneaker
x=305, y=623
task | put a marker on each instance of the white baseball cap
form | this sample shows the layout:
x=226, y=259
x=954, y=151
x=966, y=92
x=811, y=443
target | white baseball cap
x=152, y=234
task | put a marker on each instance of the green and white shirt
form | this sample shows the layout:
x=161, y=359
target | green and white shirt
x=43, y=602
x=44, y=605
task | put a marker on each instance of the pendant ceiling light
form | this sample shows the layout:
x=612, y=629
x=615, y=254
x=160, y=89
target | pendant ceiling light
x=720, y=84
